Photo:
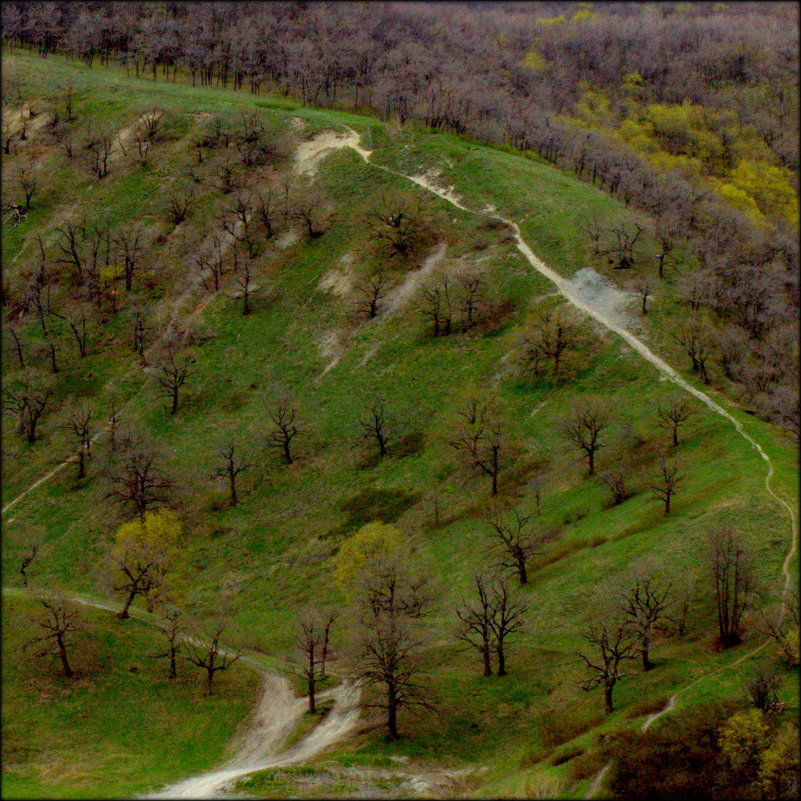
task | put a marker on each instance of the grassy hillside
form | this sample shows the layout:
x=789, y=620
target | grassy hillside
x=274, y=552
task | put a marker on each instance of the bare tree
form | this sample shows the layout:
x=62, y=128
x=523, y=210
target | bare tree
x=128, y=242
x=471, y=298
x=375, y=426
x=782, y=626
x=551, y=335
x=514, y=545
x=617, y=244
x=480, y=439
x=210, y=656
x=307, y=207
x=178, y=204
x=645, y=606
x=666, y=482
x=17, y=346
x=58, y=622
x=137, y=482
x=283, y=417
x=614, y=479
x=611, y=643
x=475, y=618
x=312, y=642
x=27, y=183
x=507, y=618
x=244, y=282
x=78, y=424
x=436, y=305
x=583, y=428
x=173, y=377
x=672, y=414
x=729, y=566
x=26, y=562
x=172, y=631
x=78, y=328
x=99, y=146
x=389, y=649
x=398, y=222
x=371, y=291
x=231, y=469
x=642, y=286
x=693, y=336
x=28, y=403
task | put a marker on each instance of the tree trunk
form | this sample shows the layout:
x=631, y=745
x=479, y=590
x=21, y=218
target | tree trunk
x=175, y=400
x=311, y=691
x=209, y=679
x=392, y=714
x=591, y=457
x=81, y=463
x=608, y=699
x=521, y=569
x=173, y=671
x=501, y=659
x=675, y=435
x=124, y=613
x=233, y=489
x=286, y=452
x=667, y=502
x=62, y=652
x=485, y=653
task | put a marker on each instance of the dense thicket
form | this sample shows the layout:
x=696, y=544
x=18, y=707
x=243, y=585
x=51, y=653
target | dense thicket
x=689, y=111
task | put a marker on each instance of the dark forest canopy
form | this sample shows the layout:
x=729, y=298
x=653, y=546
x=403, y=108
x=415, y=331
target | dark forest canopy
x=686, y=110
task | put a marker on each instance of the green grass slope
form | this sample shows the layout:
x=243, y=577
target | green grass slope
x=274, y=552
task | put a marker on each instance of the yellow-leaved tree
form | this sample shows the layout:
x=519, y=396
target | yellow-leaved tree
x=373, y=542
x=149, y=555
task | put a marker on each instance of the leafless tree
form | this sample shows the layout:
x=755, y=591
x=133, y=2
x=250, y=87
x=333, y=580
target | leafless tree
x=27, y=183
x=231, y=469
x=173, y=377
x=389, y=647
x=437, y=306
x=672, y=413
x=762, y=686
x=172, y=631
x=782, y=625
x=667, y=481
x=642, y=286
x=178, y=204
x=480, y=440
x=266, y=212
x=584, y=426
x=312, y=642
x=475, y=618
x=617, y=244
x=26, y=562
x=645, y=606
x=513, y=543
x=78, y=424
x=371, y=291
x=58, y=622
x=137, y=482
x=128, y=242
x=614, y=479
x=17, y=346
x=398, y=222
x=471, y=298
x=611, y=642
x=694, y=337
x=78, y=328
x=307, y=206
x=375, y=426
x=211, y=656
x=99, y=145
x=507, y=618
x=729, y=566
x=283, y=417
x=681, y=604
x=550, y=336
x=244, y=283
x=29, y=403
x=227, y=175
